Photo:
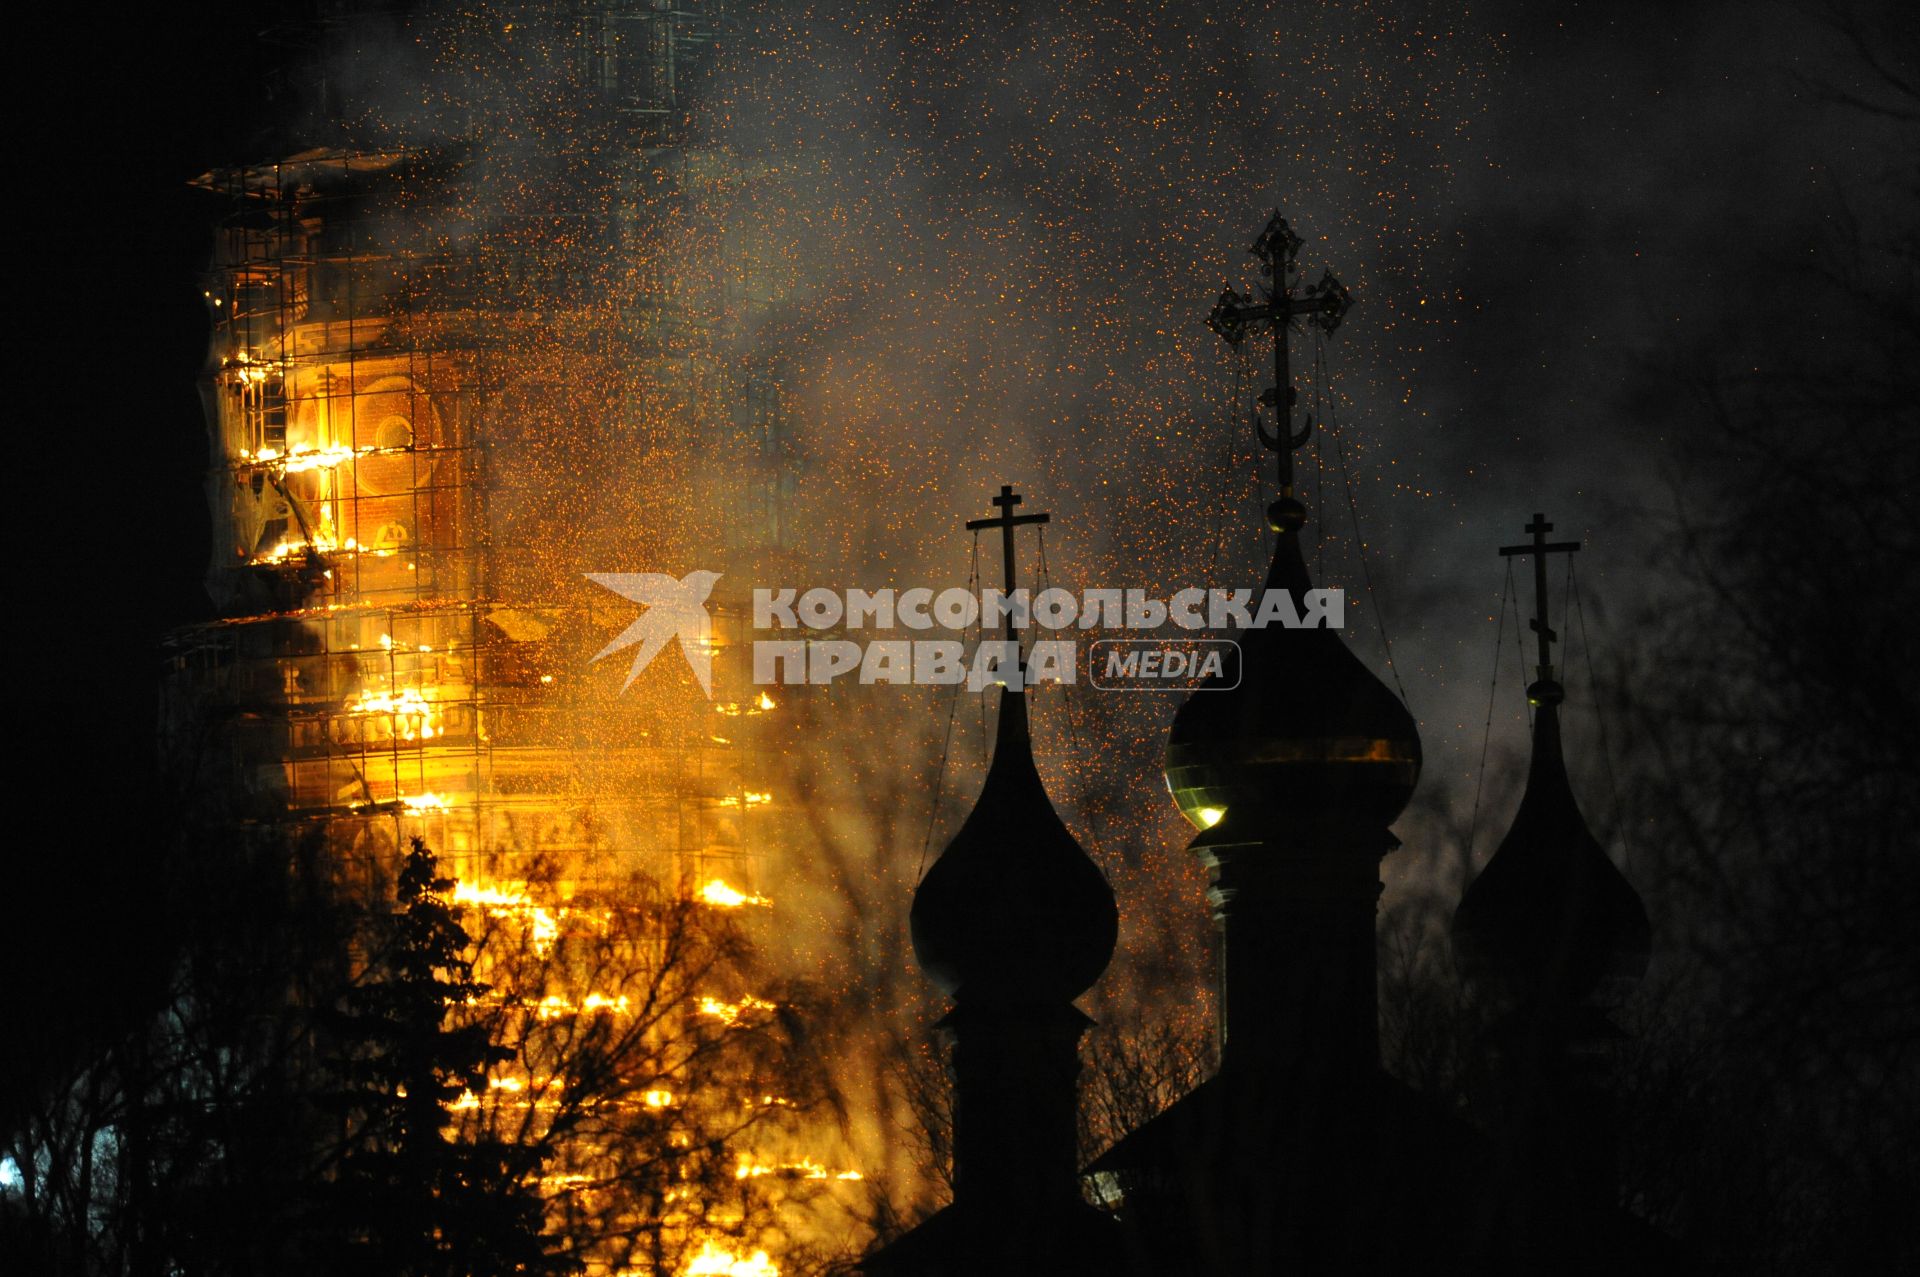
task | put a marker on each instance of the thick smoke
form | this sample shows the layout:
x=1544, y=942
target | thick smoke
x=976, y=245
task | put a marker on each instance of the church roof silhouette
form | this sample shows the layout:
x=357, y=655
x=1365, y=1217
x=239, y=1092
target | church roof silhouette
x=1300, y=1154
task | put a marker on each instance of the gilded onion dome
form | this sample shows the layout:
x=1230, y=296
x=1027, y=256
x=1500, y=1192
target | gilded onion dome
x=1308, y=734
x=1013, y=912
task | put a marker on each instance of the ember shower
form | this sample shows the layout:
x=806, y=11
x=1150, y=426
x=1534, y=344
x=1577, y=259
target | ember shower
x=518, y=293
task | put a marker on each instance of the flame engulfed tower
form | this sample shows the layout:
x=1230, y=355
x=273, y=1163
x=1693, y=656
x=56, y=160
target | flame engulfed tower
x=444, y=376
x=475, y=335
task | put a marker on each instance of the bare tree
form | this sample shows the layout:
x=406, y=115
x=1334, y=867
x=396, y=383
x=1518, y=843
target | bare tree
x=641, y=1081
x=1774, y=779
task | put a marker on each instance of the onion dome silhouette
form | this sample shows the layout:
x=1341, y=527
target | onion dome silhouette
x=1550, y=922
x=1013, y=911
x=1308, y=734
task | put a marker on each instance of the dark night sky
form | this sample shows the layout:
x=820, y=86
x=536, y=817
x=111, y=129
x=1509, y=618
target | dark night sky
x=1644, y=153
x=118, y=110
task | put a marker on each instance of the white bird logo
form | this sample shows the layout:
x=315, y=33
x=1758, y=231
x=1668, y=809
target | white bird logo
x=673, y=608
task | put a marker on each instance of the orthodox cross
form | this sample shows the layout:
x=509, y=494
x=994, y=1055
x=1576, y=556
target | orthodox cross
x=1540, y=548
x=1007, y=521
x=1235, y=314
